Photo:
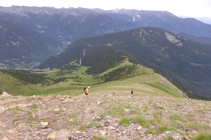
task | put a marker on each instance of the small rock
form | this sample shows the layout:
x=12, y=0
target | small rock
x=124, y=132
x=116, y=125
x=33, y=115
x=116, y=120
x=59, y=135
x=62, y=99
x=44, y=124
x=139, y=128
x=107, y=117
x=111, y=127
x=176, y=137
x=97, y=118
x=77, y=132
x=126, y=110
x=153, y=127
x=185, y=138
x=168, y=132
x=5, y=94
x=70, y=120
x=64, y=109
x=102, y=133
x=56, y=109
x=22, y=105
x=106, y=123
x=4, y=126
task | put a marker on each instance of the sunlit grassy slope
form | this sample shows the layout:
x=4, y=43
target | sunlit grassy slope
x=15, y=86
x=121, y=79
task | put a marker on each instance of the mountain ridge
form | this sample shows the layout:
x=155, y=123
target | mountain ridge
x=185, y=58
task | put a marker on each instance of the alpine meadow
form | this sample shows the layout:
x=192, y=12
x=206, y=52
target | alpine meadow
x=147, y=75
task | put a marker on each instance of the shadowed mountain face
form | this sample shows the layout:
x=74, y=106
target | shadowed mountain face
x=67, y=25
x=23, y=47
x=187, y=59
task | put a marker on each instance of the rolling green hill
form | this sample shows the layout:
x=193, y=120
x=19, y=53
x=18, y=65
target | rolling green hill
x=104, y=66
x=189, y=60
x=23, y=47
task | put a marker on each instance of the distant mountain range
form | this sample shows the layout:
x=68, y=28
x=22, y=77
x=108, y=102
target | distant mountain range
x=189, y=60
x=23, y=47
x=67, y=25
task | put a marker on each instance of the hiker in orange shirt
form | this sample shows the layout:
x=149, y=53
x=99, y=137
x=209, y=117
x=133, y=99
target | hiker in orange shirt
x=86, y=90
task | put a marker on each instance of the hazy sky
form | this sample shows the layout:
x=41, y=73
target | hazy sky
x=189, y=8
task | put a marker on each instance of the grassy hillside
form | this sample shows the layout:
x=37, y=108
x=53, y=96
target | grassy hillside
x=72, y=79
x=152, y=84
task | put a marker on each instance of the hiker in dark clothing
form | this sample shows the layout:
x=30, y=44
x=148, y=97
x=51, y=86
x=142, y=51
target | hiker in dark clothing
x=132, y=91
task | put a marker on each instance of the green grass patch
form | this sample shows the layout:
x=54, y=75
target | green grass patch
x=98, y=138
x=18, y=109
x=25, y=121
x=115, y=111
x=141, y=120
x=34, y=106
x=102, y=115
x=124, y=122
x=203, y=136
x=76, y=114
x=136, y=111
x=163, y=129
x=103, y=102
x=177, y=117
x=91, y=124
x=198, y=126
x=73, y=122
x=58, y=118
x=37, y=126
x=169, y=137
x=157, y=115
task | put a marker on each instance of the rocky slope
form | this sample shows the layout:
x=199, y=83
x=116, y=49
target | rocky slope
x=103, y=116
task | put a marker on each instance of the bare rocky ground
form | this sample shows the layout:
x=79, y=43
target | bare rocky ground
x=103, y=116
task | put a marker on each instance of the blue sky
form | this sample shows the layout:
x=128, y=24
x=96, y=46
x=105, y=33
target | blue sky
x=187, y=8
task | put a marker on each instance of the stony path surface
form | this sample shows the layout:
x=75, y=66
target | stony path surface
x=101, y=117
